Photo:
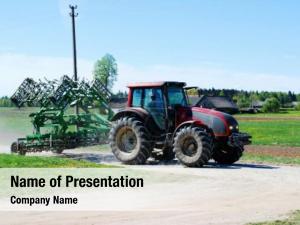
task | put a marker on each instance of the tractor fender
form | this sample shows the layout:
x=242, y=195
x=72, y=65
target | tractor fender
x=193, y=123
x=142, y=115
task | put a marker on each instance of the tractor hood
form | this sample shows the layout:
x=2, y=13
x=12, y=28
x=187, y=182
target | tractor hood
x=221, y=123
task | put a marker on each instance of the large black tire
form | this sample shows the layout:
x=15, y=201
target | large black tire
x=193, y=146
x=130, y=141
x=58, y=151
x=14, y=147
x=167, y=154
x=228, y=155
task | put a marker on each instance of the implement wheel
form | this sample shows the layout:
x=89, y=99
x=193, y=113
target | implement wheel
x=58, y=150
x=14, y=147
x=130, y=141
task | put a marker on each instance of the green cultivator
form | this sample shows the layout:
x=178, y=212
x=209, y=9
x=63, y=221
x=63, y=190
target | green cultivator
x=55, y=128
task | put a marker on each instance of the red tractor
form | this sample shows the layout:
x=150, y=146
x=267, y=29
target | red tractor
x=158, y=122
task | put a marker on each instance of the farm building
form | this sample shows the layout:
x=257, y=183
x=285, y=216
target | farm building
x=220, y=103
x=118, y=103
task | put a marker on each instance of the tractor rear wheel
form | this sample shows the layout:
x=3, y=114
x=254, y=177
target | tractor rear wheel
x=193, y=146
x=130, y=141
x=228, y=155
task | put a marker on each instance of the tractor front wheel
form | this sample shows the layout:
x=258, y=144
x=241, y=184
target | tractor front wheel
x=193, y=146
x=130, y=141
x=227, y=155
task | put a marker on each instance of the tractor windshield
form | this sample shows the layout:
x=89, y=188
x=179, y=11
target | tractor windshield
x=176, y=96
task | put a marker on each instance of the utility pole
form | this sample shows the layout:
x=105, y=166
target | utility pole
x=73, y=15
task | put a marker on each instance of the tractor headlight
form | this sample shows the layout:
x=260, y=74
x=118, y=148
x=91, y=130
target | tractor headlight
x=234, y=127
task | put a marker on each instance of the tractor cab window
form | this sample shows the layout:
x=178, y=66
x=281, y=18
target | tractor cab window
x=176, y=96
x=137, y=98
x=154, y=104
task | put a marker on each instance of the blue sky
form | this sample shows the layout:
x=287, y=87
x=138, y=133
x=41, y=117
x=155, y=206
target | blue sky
x=249, y=44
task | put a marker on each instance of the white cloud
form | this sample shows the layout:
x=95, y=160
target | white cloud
x=208, y=77
x=14, y=68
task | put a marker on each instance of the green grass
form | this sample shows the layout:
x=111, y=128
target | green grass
x=16, y=120
x=288, y=113
x=284, y=133
x=16, y=161
x=294, y=219
x=270, y=159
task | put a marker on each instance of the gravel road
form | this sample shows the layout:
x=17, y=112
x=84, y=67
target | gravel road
x=235, y=194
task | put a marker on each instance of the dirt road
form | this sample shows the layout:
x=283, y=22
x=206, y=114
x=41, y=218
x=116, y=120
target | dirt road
x=214, y=195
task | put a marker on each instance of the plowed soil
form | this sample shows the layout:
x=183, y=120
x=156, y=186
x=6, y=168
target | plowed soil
x=274, y=151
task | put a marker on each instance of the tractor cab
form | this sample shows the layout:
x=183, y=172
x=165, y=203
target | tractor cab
x=160, y=100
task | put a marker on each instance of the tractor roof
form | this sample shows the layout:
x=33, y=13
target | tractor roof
x=156, y=84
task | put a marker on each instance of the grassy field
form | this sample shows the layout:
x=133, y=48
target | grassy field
x=272, y=132
x=16, y=161
x=294, y=219
x=16, y=120
x=288, y=113
x=272, y=128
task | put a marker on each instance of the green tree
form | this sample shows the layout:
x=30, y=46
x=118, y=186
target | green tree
x=253, y=97
x=5, y=102
x=242, y=101
x=106, y=70
x=192, y=92
x=222, y=93
x=271, y=105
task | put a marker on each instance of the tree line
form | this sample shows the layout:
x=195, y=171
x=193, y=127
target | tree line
x=241, y=97
x=5, y=102
x=247, y=98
